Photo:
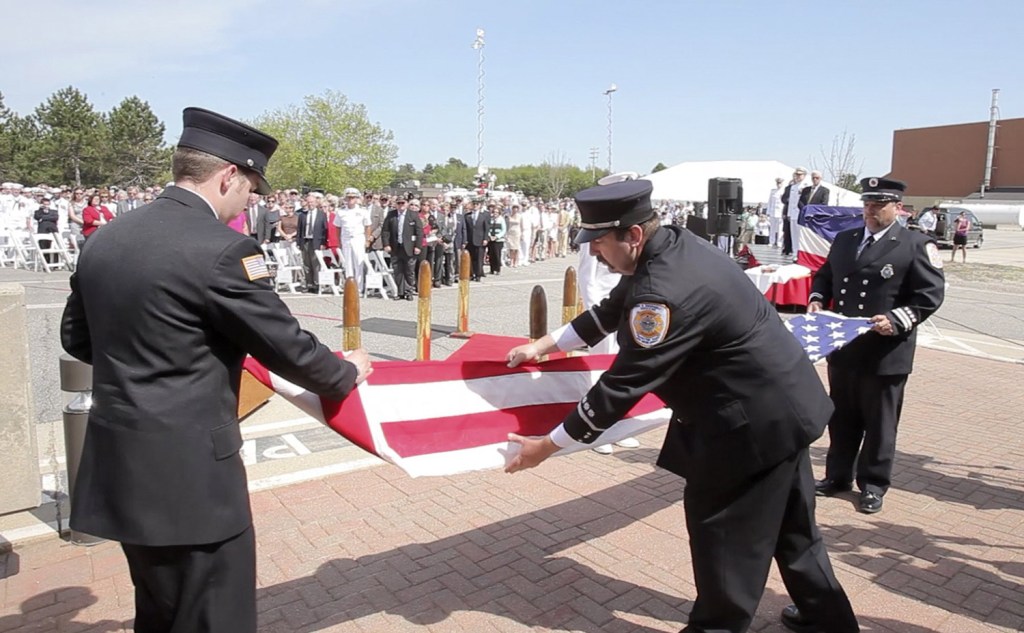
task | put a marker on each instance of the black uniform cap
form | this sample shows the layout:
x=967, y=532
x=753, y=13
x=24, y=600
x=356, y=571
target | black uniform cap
x=605, y=207
x=882, y=189
x=231, y=140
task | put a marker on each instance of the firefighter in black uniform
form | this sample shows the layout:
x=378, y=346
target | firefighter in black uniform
x=893, y=276
x=746, y=404
x=165, y=304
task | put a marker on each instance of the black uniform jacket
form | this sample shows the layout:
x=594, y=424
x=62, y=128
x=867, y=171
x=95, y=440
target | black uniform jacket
x=163, y=307
x=900, y=277
x=477, y=231
x=695, y=331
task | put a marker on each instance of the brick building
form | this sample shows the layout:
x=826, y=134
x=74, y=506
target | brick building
x=948, y=161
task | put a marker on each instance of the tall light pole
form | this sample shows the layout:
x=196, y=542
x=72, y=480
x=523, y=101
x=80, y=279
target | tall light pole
x=478, y=46
x=611, y=89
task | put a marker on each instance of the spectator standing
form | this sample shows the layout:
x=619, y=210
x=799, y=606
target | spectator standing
x=288, y=228
x=353, y=222
x=94, y=215
x=444, y=257
x=402, y=235
x=927, y=221
x=496, y=230
x=47, y=219
x=775, y=214
x=791, y=197
x=514, y=235
x=961, y=227
x=817, y=193
x=477, y=222
x=312, y=237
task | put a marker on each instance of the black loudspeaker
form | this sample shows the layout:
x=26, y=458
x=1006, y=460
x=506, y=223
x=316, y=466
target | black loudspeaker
x=698, y=226
x=725, y=203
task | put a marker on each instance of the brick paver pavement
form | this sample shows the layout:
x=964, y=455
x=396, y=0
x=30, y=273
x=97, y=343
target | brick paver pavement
x=594, y=544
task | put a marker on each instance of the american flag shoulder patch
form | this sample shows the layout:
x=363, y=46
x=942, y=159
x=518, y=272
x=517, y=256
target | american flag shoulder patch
x=255, y=267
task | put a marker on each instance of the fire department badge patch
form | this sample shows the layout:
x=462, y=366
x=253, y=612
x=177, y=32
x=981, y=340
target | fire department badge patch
x=933, y=255
x=649, y=323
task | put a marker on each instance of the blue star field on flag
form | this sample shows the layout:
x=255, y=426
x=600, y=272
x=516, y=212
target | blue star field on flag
x=822, y=333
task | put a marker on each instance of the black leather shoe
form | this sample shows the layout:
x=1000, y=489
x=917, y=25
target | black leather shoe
x=869, y=503
x=829, y=487
x=793, y=620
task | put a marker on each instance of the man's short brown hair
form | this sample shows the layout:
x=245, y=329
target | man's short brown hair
x=648, y=226
x=194, y=165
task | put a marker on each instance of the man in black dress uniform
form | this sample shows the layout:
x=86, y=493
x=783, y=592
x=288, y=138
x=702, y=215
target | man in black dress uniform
x=478, y=222
x=165, y=304
x=746, y=404
x=894, y=277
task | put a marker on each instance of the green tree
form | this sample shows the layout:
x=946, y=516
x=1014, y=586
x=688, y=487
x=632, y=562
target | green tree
x=6, y=153
x=19, y=148
x=659, y=167
x=404, y=173
x=454, y=172
x=329, y=143
x=73, y=137
x=138, y=154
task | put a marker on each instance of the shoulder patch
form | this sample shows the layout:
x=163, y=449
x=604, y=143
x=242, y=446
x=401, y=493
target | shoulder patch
x=255, y=267
x=649, y=323
x=933, y=255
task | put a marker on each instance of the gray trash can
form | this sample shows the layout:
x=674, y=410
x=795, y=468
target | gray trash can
x=76, y=383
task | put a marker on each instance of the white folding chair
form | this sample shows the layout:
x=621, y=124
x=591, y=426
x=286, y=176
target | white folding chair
x=25, y=250
x=53, y=248
x=379, y=277
x=8, y=253
x=333, y=278
x=69, y=246
x=288, y=272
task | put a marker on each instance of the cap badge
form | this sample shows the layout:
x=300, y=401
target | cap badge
x=873, y=182
x=887, y=271
x=248, y=161
x=649, y=323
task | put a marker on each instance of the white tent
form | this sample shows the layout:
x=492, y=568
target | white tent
x=689, y=181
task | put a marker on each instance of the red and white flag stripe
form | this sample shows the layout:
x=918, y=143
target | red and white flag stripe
x=448, y=417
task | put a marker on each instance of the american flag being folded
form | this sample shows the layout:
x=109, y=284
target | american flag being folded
x=822, y=333
x=454, y=416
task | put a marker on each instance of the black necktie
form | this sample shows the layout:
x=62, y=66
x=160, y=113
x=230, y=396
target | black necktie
x=867, y=244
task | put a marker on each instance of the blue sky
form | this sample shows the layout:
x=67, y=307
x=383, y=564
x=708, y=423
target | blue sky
x=697, y=80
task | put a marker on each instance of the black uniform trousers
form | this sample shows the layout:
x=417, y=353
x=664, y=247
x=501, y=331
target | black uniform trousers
x=787, y=237
x=310, y=264
x=494, y=249
x=404, y=267
x=476, y=256
x=867, y=410
x=735, y=534
x=195, y=588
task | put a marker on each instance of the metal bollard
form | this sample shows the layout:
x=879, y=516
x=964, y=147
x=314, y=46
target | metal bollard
x=464, y=274
x=424, y=284
x=76, y=383
x=570, y=296
x=351, y=337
